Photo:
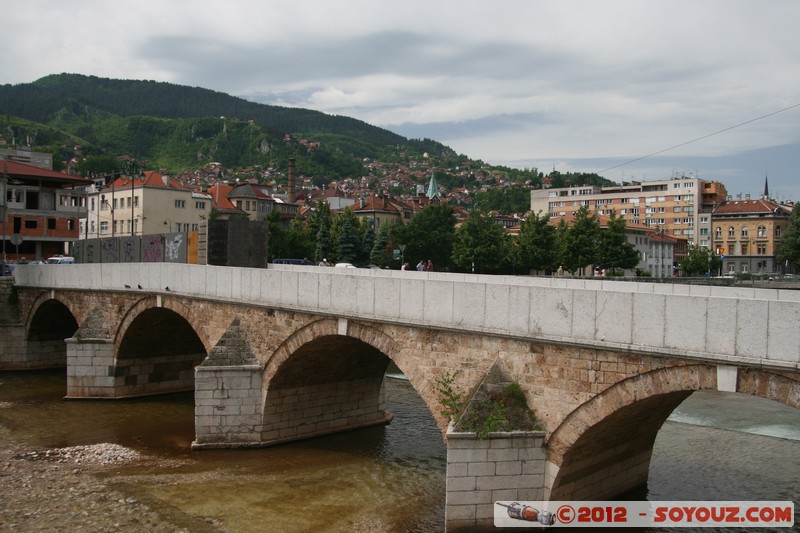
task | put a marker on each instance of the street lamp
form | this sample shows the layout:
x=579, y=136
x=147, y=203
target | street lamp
x=168, y=224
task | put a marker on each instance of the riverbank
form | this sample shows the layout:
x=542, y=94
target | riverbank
x=72, y=489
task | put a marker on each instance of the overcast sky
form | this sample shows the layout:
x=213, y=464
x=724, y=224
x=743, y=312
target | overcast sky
x=572, y=85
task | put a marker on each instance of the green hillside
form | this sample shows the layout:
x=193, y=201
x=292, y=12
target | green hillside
x=177, y=127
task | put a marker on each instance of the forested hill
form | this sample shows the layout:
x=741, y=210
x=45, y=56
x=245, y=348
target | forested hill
x=178, y=127
x=41, y=100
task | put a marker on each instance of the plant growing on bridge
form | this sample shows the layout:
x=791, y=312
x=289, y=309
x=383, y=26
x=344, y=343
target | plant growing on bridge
x=500, y=407
x=451, y=400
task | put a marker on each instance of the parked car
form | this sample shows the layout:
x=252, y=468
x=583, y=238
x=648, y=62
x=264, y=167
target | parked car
x=345, y=265
x=6, y=268
x=60, y=260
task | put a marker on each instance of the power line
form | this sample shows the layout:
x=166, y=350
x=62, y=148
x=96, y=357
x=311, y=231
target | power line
x=700, y=138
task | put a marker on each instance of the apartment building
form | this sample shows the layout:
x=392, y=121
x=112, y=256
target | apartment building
x=679, y=207
x=257, y=201
x=40, y=210
x=148, y=204
x=747, y=232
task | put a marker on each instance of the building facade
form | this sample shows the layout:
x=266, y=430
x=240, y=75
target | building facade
x=143, y=205
x=41, y=210
x=747, y=232
x=674, y=207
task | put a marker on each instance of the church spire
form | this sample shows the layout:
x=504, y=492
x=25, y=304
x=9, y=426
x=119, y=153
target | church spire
x=433, y=190
x=766, y=187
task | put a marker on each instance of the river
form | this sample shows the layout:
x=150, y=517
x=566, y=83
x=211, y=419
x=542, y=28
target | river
x=715, y=446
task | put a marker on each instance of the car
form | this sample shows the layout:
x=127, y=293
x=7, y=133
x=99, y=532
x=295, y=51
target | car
x=345, y=265
x=60, y=260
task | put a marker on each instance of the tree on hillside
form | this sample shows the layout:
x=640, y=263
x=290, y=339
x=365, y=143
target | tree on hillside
x=533, y=249
x=614, y=251
x=98, y=165
x=481, y=244
x=788, y=249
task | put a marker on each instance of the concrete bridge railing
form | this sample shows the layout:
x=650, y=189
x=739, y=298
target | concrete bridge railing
x=753, y=326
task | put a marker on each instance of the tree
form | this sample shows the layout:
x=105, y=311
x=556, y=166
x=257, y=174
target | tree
x=697, y=261
x=429, y=235
x=367, y=241
x=348, y=243
x=788, y=250
x=533, y=249
x=379, y=254
x=320, y=227
x=278, y=242
x=577, y=244
x=481, y=244
x=614, y=250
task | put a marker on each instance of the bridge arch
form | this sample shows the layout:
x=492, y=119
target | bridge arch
x=603, y=448
x=327, y=377
x=156, y=351
x=50, y=321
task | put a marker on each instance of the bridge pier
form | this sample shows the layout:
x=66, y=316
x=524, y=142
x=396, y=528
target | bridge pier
x=90, y=368
x=13, y=350
x=503, y=467
x=227, y=406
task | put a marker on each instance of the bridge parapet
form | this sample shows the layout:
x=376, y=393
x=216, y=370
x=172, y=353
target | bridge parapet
x=731, y=324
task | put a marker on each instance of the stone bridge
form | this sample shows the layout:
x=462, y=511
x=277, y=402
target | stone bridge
x=292, y=352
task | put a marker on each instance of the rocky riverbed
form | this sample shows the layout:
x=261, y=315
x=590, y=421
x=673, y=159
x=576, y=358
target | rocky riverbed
x=73, y=489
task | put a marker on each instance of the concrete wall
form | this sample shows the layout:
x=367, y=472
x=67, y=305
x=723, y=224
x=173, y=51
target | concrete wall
x=505, y=466
x=731, y=324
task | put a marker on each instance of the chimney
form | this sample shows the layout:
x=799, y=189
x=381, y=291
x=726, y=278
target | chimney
x=290, y=187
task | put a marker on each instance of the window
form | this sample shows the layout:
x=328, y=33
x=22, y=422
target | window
x=180, y=203
x=744, y=231
x=104, y=227
x=718, y=233
x=31, y=224
x=761, y=232
x=762, y=249
x=51, y=223
x=778, y=232
x=200, y=205
x=71, y=224
x=731, y=232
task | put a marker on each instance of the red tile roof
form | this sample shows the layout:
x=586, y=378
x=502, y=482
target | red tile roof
x=22, y=170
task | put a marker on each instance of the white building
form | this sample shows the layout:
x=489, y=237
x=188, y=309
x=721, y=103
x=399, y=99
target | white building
x=143, y=205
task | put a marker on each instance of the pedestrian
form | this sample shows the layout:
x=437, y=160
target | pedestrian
x=324, y=263
x=421, y=265
x=405, y=266
x=429, y=266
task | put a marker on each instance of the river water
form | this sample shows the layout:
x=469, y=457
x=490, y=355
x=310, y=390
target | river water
x=716, y=446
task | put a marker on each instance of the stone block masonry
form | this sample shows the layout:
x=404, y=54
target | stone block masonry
x=227, y=405
x=504, y=466
x=309, y=411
